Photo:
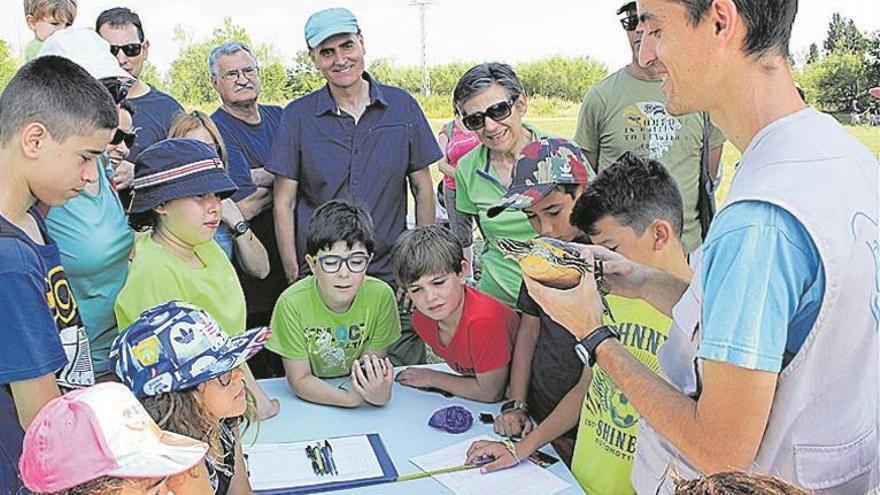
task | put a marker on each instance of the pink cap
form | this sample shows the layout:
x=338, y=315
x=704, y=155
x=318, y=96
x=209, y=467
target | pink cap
x=100, y=431
x=875, y=92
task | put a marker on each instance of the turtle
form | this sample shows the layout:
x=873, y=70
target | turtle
x=554, y=263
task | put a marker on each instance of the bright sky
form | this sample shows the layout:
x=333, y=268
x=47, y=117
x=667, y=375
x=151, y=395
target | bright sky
x=476, y=30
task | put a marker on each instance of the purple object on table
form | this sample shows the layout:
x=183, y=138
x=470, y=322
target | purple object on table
x=452, y=419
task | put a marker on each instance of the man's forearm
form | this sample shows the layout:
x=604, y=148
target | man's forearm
x=256, y=203
x=423, y=195
x=262, y=177
x=705, y=438
x=662, y=290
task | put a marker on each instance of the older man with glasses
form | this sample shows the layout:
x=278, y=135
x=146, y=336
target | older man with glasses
x=627, y=112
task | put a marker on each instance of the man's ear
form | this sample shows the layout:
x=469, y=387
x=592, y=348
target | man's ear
x=31, y=22
x=522, y=102
x=145, y=47
x=725, y=19
x=32, y=138
x=662, y=233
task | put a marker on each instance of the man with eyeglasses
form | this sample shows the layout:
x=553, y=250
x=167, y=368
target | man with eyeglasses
x=154, y=110
x=354, y=139
x=627, y=112
x=247, y=128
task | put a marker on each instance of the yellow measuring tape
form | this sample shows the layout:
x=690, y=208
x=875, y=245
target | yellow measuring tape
x=426, y=474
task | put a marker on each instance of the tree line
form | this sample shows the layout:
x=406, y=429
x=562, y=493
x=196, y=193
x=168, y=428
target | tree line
x=842, y=70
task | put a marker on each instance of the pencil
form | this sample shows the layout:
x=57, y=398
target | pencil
x=426, y=474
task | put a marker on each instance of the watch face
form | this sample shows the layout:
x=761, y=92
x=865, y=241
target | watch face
x=241, y=227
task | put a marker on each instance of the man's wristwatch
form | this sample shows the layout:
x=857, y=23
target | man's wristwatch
x=515, y=405
x=586, y=349
x=240, y=228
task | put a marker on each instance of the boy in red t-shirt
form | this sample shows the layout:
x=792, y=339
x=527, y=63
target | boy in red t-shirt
x=472, y=331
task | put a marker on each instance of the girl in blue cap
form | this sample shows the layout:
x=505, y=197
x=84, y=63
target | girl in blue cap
x=189, y=376
x=177, y=190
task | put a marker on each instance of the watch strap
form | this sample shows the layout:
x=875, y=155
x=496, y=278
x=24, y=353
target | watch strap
x=586, y=348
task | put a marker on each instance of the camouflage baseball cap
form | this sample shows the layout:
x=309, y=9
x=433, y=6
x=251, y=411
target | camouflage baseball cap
x=544, y=165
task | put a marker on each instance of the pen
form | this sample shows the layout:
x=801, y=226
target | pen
x=319, y=457
x=332, y=461
x=310, y=455
x=325, y=455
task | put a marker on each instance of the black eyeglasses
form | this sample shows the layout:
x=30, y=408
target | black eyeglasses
x=496, y=112
x=249, y=73
x=630, y=22
x=117, y=87
x=130, y=49
x=356, y=263
x=121, y=136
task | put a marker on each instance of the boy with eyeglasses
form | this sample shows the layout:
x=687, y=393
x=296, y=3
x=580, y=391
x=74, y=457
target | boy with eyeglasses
x=44, y=18
x=337, y=321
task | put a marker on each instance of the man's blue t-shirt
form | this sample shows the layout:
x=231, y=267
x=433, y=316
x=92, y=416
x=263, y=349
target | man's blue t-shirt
x=332, y=157
x=247, y=145
x=32, y=344
x=763, y=284
x=153, y=113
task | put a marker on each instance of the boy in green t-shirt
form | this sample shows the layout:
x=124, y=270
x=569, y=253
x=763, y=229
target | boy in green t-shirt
x=632, y=207
x=337, y=321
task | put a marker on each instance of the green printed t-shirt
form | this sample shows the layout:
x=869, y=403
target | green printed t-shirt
x=32, y=49
x=606, y=440
x=157, y=276
x=303, y=327
x=478, y=188
x=622, y=113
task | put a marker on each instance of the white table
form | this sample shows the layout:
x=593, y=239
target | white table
x=402, y=424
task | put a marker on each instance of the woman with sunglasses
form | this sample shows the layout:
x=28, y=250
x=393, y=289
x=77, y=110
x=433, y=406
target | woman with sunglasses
x=177, y=193
x=492, y=103
x=189, y=375
x=91, y=229
x=234, y=234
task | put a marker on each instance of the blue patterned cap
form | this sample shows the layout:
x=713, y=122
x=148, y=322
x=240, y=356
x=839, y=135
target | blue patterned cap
x=176, y=346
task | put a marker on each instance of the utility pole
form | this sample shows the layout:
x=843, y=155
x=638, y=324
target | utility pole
x=423, y=7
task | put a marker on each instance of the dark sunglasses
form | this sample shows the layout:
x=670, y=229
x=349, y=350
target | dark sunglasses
x=118, y=88
x=630, y=22
x=121, y=136
x=130, y=49
x=496, y=112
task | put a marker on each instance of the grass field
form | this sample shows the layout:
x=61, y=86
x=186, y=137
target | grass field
x=565, y=126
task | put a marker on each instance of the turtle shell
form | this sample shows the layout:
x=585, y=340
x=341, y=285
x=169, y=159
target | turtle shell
x=549, y=261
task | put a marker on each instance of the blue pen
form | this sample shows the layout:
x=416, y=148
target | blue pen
x=330, y=456
x=326, y=457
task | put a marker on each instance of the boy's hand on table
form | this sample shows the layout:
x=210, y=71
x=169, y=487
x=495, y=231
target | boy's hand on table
x=416, y=377
x=372, y=377
x=484, y=449
x=513, y=424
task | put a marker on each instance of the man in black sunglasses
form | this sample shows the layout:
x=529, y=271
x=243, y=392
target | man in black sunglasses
x=154, y=109
x=627, y=112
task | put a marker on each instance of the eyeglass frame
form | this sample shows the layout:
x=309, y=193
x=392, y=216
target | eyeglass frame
x=625, y=22
x=343, y=260
x=233, y=75
x=114, y=49
x=510, y=102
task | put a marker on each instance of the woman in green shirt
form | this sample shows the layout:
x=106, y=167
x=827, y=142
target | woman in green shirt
x=492, y=103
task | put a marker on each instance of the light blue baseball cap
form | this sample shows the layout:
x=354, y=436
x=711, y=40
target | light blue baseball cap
x=330, y=22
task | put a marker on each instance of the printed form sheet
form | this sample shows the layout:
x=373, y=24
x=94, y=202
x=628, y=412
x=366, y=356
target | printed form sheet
x=522, y=479
x=285, y=465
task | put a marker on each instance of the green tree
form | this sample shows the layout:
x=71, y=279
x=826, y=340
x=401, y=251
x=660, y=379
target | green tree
x=844, y=36
x=567, y=78
x=813, y=54
x=873, y=56
x=302, y=76
x=835, y=81
x=8, y=64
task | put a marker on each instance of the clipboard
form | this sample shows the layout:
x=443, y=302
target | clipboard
x=292, y=453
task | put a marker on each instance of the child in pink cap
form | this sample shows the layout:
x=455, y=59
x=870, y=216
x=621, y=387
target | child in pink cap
x=101, y=441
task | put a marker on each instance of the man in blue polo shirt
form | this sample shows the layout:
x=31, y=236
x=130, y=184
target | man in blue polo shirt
x=247, y=128
x=354, y=139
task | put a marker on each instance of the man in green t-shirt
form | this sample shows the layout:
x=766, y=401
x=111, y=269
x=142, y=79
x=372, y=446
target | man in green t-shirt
x=337, y=321
x=627, y=112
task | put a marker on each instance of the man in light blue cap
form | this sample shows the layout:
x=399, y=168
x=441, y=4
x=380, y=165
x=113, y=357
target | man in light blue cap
x=354, y=139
